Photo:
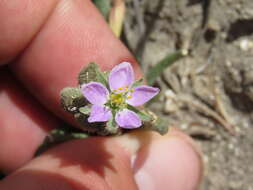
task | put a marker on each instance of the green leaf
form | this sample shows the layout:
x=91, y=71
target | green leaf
x=79, y=135
x=137, y=83
x=72, y=99
x=117, y=16
x=159, y=125
x=92, y=73
x=157, y=70
x=104, y=6
x=144, y=115
x=58, y=136
x=88, y=74
x=85, y=110
x=102, y=77
x=151, y=121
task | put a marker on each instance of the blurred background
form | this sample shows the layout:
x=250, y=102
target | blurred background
x=208, y=90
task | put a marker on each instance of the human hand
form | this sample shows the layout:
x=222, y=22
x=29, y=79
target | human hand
x=46, y=43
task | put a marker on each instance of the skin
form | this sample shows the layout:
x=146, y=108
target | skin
x=43, y=46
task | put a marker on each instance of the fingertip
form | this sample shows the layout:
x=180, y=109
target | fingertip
x=22, y=21
x=158, y=162
x=74, y=35
x=168, y=162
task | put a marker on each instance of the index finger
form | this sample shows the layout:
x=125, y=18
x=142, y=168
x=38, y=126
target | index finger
x=74, y=35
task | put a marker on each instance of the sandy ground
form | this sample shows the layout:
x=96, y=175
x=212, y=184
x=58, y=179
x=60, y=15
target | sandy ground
x=209, y=93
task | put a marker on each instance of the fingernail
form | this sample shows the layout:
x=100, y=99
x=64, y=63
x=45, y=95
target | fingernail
x=170, y=162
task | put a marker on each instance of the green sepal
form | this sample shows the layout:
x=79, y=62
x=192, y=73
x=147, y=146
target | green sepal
x=112, y=127
x=85, y=110
x=88, y=74
x=137, y=83
x=150, y=120
x=92, y=73
x=103, y=78
x=72, y=99
x=160, y=125
x=58, y=136
x=144, y=115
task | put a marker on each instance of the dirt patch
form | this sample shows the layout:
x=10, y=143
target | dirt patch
x=209, y=94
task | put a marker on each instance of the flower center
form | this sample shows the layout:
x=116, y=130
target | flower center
x=117, y=99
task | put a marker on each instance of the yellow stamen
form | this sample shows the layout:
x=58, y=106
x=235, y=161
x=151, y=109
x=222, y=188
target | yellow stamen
x=117, y=98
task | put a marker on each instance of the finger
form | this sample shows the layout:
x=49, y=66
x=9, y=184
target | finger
x=83, y=164
x=74, y=35
x=23, y=124
x=155, y=162
x=173, y=163
x=20, y=21
x=76, y=23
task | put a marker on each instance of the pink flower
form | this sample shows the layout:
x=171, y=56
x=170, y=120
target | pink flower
x=113, y=103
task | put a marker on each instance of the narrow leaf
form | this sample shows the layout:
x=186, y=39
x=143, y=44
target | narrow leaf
x=79, y=135
x=116, y=17
x=59, y=136
x=144, y=115
x=151, y=121
x=159, y=125
x=157, y=70
x=103, y=6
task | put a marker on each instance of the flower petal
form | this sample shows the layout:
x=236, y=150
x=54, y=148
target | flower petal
x=99, y=114
x=121, y=76
x=95, y=93
x=128, y=119
x=142, y=94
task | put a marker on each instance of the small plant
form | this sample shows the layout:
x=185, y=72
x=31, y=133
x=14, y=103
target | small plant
x=107, y=103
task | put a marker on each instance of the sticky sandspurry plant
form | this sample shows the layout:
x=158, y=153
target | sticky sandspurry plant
x=108, y=103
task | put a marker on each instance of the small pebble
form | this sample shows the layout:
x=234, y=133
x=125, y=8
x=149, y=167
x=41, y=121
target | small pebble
x=246, y=45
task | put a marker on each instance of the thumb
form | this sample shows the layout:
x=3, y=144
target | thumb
x=142, y=160
x=168, y=162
